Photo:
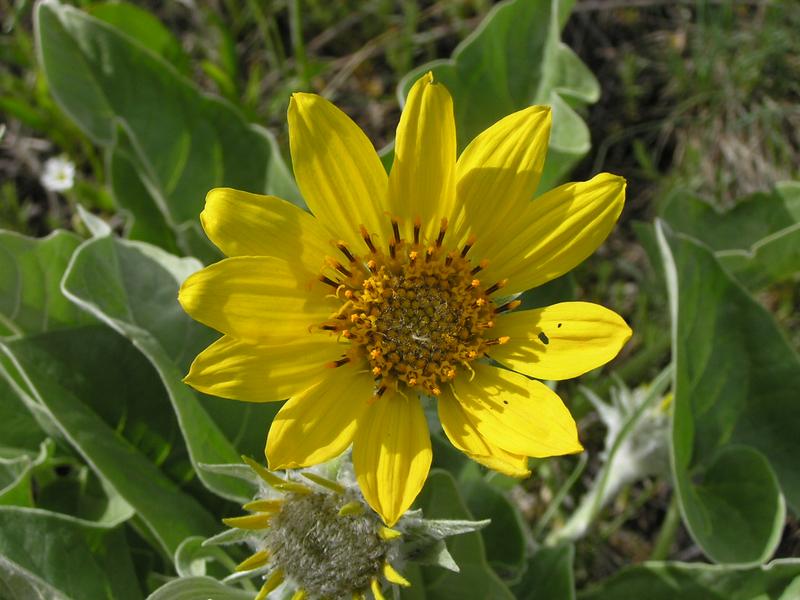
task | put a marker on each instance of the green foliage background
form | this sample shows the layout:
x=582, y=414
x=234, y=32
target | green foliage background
x=103, y=489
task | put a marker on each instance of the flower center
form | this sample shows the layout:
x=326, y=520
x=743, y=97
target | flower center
x=324, y=553
x=417, y=313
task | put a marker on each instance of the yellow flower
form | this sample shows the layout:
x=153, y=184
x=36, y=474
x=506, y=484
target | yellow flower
x=392, y=290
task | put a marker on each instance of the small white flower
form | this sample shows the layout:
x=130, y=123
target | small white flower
x=58, y=174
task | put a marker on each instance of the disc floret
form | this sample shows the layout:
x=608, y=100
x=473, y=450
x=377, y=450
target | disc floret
x=416, y=313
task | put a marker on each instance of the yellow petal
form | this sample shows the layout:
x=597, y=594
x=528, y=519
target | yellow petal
x=560, y=341
x=555, y=233
x=517, y=414
x=319, y=423
x=337, y=169
x=392, y=576
x=257, y=298
x=256, y=521
x=422, y=179
x=259, y=559
x=498, y=173
x=239, y=370
x=375, y=586
x=244, y=224
x=273, y=581
x=392, y=454
x=462, y=433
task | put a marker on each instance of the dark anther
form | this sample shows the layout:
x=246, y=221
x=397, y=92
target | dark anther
x=467, y=246
x=380, y=391
x=392, y=249
x=442, y=230
x=495, y=287
x=417, y=227
x=330, y=328
x=508, y=306
x=343, y=249
x=367, y=239
x=396, y=230
x=338, y=363
x=341, y=268
x=330, y=282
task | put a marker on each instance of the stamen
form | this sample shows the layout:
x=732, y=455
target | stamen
x=449, y=260
x=329, y=281
x=396, y=229
x=378, y=393
x=508, y=306
x=343, y=249
x=481, y=265
x=393, y=249
x=428, y=253
x=329, y=327
x=467, y=246
x=338, y=266
x=442, y=231
x=497, y=341
x=367, y=239
x=417, y=227
x=496, y=286
x=338, y=363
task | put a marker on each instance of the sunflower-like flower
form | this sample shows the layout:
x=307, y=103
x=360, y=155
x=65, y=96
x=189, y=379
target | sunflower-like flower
x=400, y=287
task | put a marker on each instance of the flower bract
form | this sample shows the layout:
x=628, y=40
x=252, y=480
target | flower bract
x=404, y=286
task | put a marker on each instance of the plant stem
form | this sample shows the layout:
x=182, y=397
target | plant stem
x=669, y=528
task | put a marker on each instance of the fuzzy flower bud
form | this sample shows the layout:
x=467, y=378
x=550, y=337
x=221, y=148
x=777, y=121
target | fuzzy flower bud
x=314, y=536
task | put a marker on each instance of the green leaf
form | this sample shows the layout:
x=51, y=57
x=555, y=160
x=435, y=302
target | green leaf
x=30, y=273
x=667, y=581
x=734, y=435
x=74, y=374
x=133, y=287
x=192, y=558
x=45, y=555
x=19, y=431
x=440, y=500
x=145, y=28
x=549, y=575
x=758, y=240
x=185, y=141
x=192, y=588
x=513, y=60
x=503, y=537
x=144, y=220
